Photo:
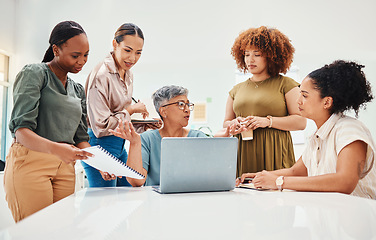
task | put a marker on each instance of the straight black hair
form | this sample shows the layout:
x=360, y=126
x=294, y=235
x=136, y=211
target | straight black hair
x=61, y=33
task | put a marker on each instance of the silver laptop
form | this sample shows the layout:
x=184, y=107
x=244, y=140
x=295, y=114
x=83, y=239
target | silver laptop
x=192, y=164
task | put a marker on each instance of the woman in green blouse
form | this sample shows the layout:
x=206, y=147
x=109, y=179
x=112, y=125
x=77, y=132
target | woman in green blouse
x=48, y=123
x=265, y=103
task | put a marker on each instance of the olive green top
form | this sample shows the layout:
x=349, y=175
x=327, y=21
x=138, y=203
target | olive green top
x=270, y=148
x=42, y=104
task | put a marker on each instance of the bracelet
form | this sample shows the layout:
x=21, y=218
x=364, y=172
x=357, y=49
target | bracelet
x=271, y=121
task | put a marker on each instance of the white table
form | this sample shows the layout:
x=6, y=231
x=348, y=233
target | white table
x=141, y=213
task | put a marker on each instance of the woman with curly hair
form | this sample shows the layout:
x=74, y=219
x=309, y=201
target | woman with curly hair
x=340, y=155
x=266, y=102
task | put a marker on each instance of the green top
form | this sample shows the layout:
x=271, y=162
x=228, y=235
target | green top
x=270, y=148
x=42, y=104
x=266, y=99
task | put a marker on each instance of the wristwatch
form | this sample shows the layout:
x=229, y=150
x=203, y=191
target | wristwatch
x=279, y=183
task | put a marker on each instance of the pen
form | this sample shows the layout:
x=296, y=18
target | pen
x=134, y=100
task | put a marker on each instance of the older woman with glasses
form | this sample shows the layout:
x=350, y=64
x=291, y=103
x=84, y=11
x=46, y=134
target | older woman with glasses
x=173, y=106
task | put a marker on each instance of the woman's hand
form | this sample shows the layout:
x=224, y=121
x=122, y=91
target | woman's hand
x=69, y=153
x=138, y=107
x=66, y=152
x=254, y=122
x=236, y=126
x=244, y=175
x=265, y=180
x=126, y=131
x=227, y=132
x=108, y=177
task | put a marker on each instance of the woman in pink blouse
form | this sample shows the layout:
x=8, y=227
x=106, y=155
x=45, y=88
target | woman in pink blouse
x=340, y=156
x=109, y=90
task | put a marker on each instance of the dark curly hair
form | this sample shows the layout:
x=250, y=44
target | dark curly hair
x=346, y=83
x=273, y=44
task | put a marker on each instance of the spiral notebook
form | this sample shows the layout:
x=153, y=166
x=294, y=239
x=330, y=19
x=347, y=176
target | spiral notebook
x=106, y=162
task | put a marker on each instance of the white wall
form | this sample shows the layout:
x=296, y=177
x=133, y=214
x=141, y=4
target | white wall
x=7, y=24
x=188, y=42
x=7, y=43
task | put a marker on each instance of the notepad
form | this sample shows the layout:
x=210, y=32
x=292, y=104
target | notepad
x=106, y=162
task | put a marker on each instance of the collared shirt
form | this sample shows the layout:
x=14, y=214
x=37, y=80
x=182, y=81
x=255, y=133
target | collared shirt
x=42, y=104
x=321, y=154
x=108, y=96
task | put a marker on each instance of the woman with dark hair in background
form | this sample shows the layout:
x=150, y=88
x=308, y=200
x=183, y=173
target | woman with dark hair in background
x=48, y=123
x=266, y=102
x=340, y=155
x=109, y=90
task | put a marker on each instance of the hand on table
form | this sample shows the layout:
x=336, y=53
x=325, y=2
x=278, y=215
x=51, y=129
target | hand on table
x=244, y=175
x=265, y=180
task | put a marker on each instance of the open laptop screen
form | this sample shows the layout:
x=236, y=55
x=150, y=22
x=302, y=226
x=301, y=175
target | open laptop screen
x=191, y=164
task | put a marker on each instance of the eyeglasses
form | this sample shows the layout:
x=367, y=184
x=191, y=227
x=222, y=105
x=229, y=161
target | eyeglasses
x=181, y=105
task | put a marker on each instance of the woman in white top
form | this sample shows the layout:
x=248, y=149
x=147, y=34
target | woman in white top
x=340, y=156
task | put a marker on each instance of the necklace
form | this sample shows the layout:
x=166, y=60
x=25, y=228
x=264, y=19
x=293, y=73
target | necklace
x=257, y=85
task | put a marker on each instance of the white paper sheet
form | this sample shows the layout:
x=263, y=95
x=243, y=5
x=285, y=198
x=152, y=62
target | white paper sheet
x=106, y=162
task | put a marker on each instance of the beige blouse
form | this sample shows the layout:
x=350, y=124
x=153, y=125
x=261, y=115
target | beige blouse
x=108, y=96
x=320, y=156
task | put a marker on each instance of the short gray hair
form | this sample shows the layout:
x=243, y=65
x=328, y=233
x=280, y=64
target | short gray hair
x=165, y=94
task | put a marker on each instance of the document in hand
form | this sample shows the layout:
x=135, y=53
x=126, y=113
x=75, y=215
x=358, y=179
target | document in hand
x=107, y=162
